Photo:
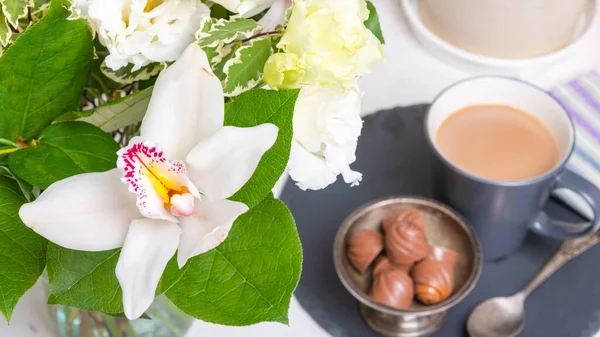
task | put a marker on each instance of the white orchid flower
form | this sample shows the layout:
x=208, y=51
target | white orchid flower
x=181, y=171
x=143, y=31
x=327, y=125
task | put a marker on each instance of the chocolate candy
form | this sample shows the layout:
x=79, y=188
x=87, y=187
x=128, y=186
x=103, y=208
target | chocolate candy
x=383, y=264
x=434, y=281
x=406, y=243
x=407, y=215
x=443, y=254
x=393, y=288
x=363, y=248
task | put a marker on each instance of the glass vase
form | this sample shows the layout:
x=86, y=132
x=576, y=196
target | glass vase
x=163, y=320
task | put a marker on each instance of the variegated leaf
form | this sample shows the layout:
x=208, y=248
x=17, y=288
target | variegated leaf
x=15, y=9
x=37, y=4
x=219, y=32
x=244, y=71
x=126, y=76
x=39, y=9
x=120, y=113
x=219, y=56
x=5, y=32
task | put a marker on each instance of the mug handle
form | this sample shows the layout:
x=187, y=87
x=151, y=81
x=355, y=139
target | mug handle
x=588, y=191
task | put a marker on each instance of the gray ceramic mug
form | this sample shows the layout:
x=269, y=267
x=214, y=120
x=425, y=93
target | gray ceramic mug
x=502, y=212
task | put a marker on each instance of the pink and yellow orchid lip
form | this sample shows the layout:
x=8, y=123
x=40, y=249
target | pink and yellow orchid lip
x=162, y=187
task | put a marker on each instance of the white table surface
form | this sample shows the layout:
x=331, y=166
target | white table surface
x=409, y=76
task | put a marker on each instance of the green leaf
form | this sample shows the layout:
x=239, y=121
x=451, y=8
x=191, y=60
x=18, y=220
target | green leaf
x=84, y=280
x=125, y=75
x=25, y=187
x=65, y=149
x=43, y=73
x=120, y=113
x=249, y=278
x=373, y=24
x=218, y=12
x=15, y=9
x=244, y=71
x=253, y=108
x=22, y=252
x=221, y=31
x=5, y=32
x=37, y=4
x=40, y=7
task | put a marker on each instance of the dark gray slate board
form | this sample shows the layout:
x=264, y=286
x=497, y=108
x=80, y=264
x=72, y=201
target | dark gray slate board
x=395, y=159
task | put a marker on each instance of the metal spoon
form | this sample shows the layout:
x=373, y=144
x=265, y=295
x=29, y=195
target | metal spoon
x=505, y=316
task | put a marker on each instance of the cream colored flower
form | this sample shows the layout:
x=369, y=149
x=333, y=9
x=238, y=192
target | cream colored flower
x=327, y=125
x=143, y=31
x=284, y=71
x=330, y=37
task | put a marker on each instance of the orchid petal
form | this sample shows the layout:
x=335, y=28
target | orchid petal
x=149, y=246
x=275, y=16
x=187, y=105
x=249, y=9
x=152, y=177
x=89, y=212
x=222, y=164
x=208, y=228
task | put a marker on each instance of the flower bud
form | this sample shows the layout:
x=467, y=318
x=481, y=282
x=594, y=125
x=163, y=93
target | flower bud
x=283, y=71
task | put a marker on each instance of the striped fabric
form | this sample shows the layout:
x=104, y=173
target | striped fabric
x=581, y=99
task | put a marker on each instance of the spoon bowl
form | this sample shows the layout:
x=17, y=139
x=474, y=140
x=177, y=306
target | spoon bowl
x=498, y=317
x=505, y=316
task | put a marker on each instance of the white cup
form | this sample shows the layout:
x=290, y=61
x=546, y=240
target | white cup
x=511, y=29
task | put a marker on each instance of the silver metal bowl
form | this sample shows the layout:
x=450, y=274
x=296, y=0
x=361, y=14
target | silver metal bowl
x=444, y=227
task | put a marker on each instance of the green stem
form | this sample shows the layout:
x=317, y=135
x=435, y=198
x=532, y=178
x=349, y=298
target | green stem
x=131, y=331
x=262, y=34
x=101, y=82
x=8, y=142
x=156, y=314
x=7, y=151
x=112, y=325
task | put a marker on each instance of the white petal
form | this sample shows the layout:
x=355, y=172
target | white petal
x=90, y=212
x=187, y=105
x=327, y=125
x=222, y=164
x=339, y=158
x=309, y=171
x=275, y=16
x=250, y=8
x=207, y=228
x=149, y=246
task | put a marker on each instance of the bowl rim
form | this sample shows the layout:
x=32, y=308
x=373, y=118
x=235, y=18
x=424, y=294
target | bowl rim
x=339, y=249
x=496, y=62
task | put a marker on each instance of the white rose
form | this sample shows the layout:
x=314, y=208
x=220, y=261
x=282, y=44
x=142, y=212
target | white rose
x=332, y=40
x=327, y=125
x=143, y=31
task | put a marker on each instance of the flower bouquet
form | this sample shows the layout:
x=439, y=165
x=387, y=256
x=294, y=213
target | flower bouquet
x=141, y=139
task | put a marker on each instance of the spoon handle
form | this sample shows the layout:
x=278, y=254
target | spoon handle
x=568, y=250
